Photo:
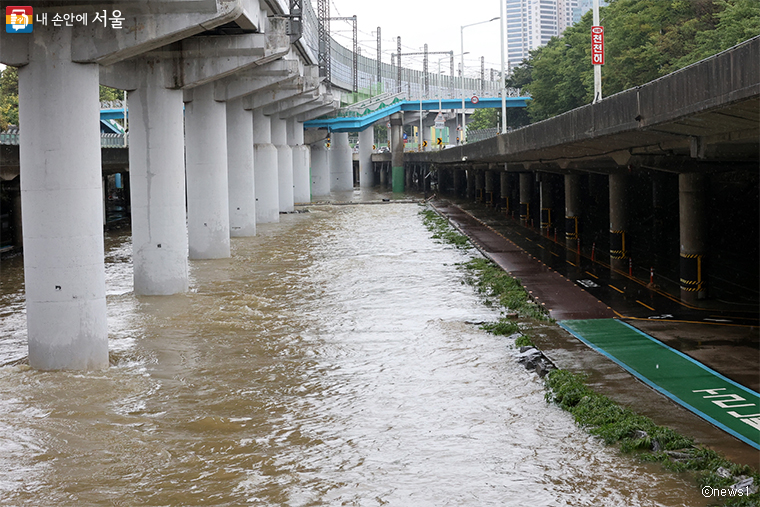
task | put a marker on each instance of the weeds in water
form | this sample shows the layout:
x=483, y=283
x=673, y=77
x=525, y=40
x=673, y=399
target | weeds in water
x=602, y=417
x=502, y=327
x=524, y=341
x=495, y=284
x=497, y=287
x=442, y=230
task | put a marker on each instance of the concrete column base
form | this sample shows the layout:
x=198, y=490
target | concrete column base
x=301, y=162
x=61, y=201
x=266, y=183
x=320, y=175
x=301, y=176
x=693, y=236
x=240, y=157
x=265, y=174
x=366, y=173
x=284, y=164
x=157, y=186
x=208, y=207
x=341, y=163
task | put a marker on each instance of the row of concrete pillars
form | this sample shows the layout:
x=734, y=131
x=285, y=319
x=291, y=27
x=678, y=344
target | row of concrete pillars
x=201, y=171
x=497, y=188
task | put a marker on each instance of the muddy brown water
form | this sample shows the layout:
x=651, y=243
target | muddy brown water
x=329, y=362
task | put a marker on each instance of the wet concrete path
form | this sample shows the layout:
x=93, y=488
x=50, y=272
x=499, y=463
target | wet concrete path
x=572, y=286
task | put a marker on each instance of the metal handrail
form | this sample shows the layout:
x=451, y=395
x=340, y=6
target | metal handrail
x=107, y=140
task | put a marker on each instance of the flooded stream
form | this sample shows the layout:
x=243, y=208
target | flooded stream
x=329, y=362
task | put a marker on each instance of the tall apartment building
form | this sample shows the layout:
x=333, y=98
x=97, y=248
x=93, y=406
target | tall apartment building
x=531, y=23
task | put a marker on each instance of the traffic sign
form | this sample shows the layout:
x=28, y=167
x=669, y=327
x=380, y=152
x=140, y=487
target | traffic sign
x=388, y=124
x=474, y=99
x=374, y=147
x=424, y=143
x=439, y=121
x=439, y=141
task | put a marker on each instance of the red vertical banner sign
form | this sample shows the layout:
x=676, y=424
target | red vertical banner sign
x=597, y=45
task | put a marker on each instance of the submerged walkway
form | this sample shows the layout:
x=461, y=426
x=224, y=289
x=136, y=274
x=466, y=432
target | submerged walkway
x=722, y=402
x=562, y=298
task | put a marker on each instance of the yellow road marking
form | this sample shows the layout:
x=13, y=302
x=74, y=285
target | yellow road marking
x=645, y=306
x=620, y=291
x=592, y=274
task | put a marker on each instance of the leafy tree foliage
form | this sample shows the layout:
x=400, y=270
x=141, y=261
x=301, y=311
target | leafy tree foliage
x=644, y=40
x=107, y=93
x=8, y=97
x=483, y=119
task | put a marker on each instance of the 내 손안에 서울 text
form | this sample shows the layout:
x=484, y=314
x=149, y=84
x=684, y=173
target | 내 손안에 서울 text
x=21, y=19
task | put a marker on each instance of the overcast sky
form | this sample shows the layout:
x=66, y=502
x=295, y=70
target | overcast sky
x=435, y=23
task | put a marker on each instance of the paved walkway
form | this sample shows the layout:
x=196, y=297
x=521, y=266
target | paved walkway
x=725, y=403
x=573, y=306
x=562, y=298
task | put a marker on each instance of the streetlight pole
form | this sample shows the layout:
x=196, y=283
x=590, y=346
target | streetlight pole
x=461, y=61
x=503, y=85
x=597, y=68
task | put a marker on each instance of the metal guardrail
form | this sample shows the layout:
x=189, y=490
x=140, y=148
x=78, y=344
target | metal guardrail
x=482, y=134
x=107, y=140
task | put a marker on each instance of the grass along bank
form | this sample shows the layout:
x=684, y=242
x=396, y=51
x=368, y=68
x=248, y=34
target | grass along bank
x=599, y=415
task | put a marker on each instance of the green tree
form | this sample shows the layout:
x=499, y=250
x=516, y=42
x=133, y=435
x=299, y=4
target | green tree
x=483, y=119
x=107, y=93
x=8, y=97
x=644, y=40
x=735, y=22
x=520, y=78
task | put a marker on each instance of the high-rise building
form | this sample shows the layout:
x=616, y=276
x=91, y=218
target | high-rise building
x=531, y=23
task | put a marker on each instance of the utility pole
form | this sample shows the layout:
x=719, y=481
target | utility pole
x=597, y=67
x=355, y=52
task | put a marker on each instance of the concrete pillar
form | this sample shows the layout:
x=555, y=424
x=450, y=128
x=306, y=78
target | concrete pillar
x=383, y=176
x=341, y=163
x=320, y=172
x=526, y=189
x=427, y=135
x=18, y=228
x=265, y=174
x=242, y=193
x=64, y=269
x=458, y=176
x=157, y=186
x=618, y=221
x=471, y=183
x=658, y=209
x=480, y=185
x=397, y=152
x=692, y=214
x=547, y=204
x=284, y=163
x=489, y=186
x=208, y=205
x=504, y=191
x=572, y=210
x=301, y=162
x=366, y=141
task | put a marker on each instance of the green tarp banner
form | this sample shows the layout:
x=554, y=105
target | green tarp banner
x=725, y=403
